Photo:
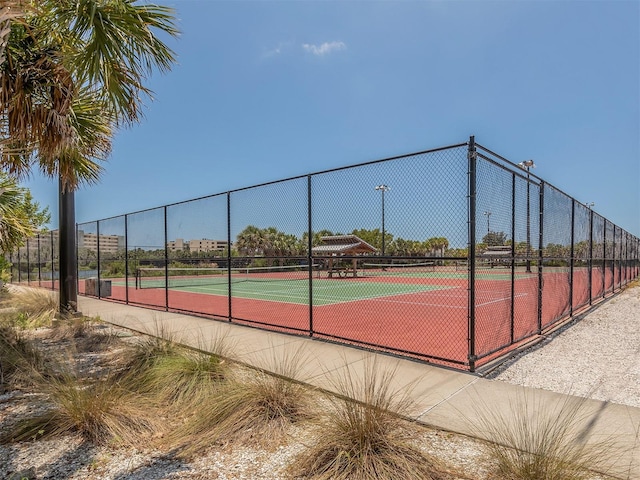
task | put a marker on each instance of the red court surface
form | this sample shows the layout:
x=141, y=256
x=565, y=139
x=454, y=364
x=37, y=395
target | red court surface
x=431, y=325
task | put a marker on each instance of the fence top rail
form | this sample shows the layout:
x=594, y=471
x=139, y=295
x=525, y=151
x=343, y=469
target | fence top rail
x=506, y=164
x=297, y=177
x=518, y=171
x=507, y=168
x=513, y=166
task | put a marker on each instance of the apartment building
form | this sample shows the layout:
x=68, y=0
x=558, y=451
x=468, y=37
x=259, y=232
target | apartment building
x=202, y=245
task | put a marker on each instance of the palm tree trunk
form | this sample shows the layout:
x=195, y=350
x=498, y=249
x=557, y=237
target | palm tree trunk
x=68, y=260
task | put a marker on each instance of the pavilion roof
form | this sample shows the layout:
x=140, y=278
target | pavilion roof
x=343, y=245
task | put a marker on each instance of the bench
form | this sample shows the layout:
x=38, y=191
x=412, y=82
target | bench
x=342, y=272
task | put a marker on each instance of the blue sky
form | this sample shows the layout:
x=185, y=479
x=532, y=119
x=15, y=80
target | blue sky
x=275, y=89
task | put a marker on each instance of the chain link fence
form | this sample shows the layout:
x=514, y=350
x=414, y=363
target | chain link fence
x=454, y=256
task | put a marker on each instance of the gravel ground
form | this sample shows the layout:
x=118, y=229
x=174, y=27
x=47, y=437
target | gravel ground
x=597, y=356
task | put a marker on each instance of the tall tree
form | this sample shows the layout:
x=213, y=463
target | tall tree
x=20, y=216
x=437, y=245
x=251, y=241
x=493, y=239
x=71, y=72
x=373, y=237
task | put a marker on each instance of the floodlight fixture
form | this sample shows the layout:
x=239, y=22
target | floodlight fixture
x=527, y=164
x=488, y=215
x=383, y=188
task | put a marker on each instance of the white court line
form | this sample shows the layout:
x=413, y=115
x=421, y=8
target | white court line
x=379, y=298
x=501, y=300
x=442, y=305
x=419, y=304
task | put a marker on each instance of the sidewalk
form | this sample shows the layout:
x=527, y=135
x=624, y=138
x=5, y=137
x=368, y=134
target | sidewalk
x=444, y=398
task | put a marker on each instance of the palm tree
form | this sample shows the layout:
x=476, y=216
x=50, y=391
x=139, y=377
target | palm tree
x=20, y=217
x=71, y=72
x=250, y=241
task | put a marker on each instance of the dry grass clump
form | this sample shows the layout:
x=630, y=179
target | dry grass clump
x=143, y=354
x=34, y=308
x=77, y=328
x=633, y=283
x=248, y=407
x=362, y=435
x=534, y=440
x=181, y=378
x=158, y=366
x=101, y=411
x=19, y=360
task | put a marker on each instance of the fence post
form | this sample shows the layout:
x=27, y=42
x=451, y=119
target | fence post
x=604, y=258
x=613, y=261
x=53, y=264
x=75, y=233
x=471, y=254
x=39, y=263
x=166, y=262
x=540, y=254
x=572, y=253
x=98, y=254
x=590, y=264
x=513, y=256
x=309, y=255
x=28, y=246
x=126, y=258
x=229, y=254
x=626, y=260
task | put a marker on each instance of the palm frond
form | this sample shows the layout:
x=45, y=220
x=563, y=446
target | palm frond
x=117, y=48
x=78, y=162
x=70, y=72
x=8, y=12
x=36, y=91
x=15, y=224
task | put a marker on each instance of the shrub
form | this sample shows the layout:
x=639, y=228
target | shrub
x=537, y=440
x=362, y=434
x=19, y=360
x=249, y=407
x=101, y=411
x=34, y=308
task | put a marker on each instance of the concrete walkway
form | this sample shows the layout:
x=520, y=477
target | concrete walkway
x=443, y=398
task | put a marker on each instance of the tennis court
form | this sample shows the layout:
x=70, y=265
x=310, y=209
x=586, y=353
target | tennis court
x=445, y=208
x=290, y=284
x=420, y=309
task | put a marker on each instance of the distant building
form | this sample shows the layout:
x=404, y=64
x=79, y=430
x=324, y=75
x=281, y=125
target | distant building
x=176, y=245
x=203, y=245
x=108, y=243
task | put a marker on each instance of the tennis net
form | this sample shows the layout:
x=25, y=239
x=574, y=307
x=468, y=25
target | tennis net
x=176, y=277
x=405, y=269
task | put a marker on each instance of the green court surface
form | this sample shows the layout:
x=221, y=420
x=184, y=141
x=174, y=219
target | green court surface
x=280, y=287
x=502, y=274
x=325, y=291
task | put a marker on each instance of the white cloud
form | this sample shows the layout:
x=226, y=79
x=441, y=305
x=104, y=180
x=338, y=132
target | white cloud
x=279, y=50
x=324, y=49
x=271, y=53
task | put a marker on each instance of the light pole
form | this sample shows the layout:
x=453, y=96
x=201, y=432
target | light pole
x=383, y=188
x=488, y=215
x=528, y=164
x=590, y=205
